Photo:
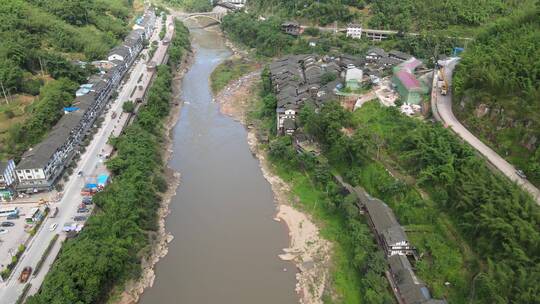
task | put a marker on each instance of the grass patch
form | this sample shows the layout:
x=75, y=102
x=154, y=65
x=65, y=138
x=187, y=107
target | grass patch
x=228, y=71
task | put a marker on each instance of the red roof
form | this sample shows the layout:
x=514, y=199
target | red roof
x=408, y=80
x=411, y=64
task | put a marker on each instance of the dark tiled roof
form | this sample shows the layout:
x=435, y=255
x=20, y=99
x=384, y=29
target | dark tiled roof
x=411, y=288
x=385, y=221
x=290, y=23
x=289, y=124
x=389, y=61
x=119, y=50
x=85, y=101
x=399, y=55
x=39, y=156
x=378, y=51
x=134, y=38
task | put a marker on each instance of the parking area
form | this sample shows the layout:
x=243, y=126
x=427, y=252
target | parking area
x=14, y=232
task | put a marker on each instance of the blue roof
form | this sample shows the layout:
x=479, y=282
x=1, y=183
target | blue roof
x=102, y=179
x=70, y=109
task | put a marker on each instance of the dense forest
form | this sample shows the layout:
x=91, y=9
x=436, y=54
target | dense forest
x=109, y=249
x=402, y=15
x=41, y=39
x=418, y=15
x=37, y=34
x=322, y=12
x=497, y=89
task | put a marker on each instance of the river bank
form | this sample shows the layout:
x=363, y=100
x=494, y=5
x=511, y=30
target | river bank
x=307, y=249
x=310, y=252
x=160, y=240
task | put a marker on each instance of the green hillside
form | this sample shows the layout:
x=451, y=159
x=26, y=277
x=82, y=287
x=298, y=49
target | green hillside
x=404, y=15
x=40, y=39
x=497, y=90
x=323, y=12
x=418, y=15
x=190, y=5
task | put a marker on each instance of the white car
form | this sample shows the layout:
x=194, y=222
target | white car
x=3, y=231
x=53, y=226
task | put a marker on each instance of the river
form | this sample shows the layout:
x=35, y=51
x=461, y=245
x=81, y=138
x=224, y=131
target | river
x=226, y=242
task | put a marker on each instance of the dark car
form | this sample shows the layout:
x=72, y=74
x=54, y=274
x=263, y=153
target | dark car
x=7, y=224
x=12, y=216
x=80, y=218
x=82, y=210
x=521, y=174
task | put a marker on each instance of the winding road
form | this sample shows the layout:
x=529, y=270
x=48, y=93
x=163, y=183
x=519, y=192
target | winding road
x=442, y=111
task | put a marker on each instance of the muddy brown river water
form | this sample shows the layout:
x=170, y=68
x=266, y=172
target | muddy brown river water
x=226, y=242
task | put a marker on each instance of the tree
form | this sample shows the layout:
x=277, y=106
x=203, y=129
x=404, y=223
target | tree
x=328, y=77
x=128, y=106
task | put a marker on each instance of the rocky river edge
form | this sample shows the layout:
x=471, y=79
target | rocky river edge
x=159, y=243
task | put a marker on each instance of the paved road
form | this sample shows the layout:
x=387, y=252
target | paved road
x=90, y=164
x=443, y=111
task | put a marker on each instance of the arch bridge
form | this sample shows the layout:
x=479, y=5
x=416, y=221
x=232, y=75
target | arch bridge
x=215, y=16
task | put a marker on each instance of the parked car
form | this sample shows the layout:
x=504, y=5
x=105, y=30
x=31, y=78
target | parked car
x=83, y=210
x=53, y=226
x=25, y=274
x=54, y=212
x=521, y=174
x=80, y=218
x=3, y=231
x=7, y=224
x=12, y=216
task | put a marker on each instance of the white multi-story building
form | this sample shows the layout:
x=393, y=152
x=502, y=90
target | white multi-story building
x=354, y=31
x=7, y=173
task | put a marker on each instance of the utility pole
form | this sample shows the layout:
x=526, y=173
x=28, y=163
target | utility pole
x=4, y=91
x=41, y=67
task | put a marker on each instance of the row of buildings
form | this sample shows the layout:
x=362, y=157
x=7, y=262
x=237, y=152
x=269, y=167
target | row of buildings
x=41, y=165
x=399, y=251
x=297, y=81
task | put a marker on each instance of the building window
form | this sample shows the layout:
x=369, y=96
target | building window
x=28, y=171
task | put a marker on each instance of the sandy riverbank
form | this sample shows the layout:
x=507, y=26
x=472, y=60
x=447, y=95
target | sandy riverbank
x=160, y=240
x=307, y=249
